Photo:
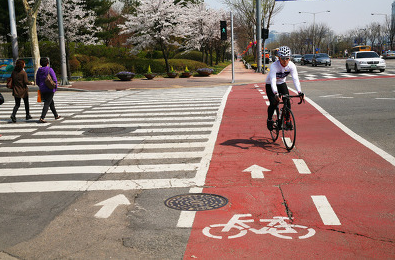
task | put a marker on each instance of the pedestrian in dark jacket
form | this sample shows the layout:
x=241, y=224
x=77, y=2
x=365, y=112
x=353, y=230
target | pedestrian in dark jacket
x=20, y=89
x=46, y=93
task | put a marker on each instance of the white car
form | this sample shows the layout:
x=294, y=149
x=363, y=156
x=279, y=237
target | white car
x=365, y=60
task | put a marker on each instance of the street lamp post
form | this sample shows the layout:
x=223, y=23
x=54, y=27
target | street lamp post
x=293, y=24
x=314, y=23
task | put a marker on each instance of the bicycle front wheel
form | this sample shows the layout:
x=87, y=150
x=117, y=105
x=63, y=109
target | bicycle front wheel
x=289, y=130
x=275, y=131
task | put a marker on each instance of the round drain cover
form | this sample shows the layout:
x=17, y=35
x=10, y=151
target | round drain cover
x=196, y=202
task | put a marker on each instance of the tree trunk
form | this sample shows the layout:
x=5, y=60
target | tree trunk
x=165, y=56
x=31, y=14
x=35, y=49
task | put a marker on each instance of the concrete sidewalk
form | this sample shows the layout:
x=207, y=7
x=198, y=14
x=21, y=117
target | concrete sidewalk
x=242, y=76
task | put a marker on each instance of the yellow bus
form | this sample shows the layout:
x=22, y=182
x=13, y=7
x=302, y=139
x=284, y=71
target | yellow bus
x=361, y=48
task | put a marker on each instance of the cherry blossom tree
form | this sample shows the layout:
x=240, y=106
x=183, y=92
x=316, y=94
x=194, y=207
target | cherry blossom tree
x=79, y=23
x=205, y=35
x=158, y=23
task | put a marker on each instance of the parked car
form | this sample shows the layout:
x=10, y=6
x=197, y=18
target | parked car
x=321, y=59
x=389, y=55
x=306, y=59
x=296, y=58
x=365, y=60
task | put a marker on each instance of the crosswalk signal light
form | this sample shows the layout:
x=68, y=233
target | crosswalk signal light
x=223, y=31
x=265, y=33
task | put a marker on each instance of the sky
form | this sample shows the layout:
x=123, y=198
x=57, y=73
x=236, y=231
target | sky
x=344, y=15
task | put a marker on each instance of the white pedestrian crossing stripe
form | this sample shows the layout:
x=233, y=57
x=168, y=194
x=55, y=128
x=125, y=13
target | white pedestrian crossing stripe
x=152, y=136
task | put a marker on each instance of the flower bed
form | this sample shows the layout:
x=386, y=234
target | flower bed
x=125, y=75
x=205, y=71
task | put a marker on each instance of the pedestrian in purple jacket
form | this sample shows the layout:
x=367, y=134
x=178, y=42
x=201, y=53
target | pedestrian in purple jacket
x=46, y=93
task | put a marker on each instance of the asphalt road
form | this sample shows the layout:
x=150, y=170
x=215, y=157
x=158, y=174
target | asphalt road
x=366, y=106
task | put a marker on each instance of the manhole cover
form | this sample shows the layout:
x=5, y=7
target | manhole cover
x=196, y=202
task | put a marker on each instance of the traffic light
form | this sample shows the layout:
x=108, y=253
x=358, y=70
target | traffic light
x=223, y=31
x=265, y=33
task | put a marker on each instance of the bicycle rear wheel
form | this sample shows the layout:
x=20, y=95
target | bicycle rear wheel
x=274, y=133
x=289, y=130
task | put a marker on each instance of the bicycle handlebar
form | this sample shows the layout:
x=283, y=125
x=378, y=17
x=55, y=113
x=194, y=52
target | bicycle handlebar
x=301, y=96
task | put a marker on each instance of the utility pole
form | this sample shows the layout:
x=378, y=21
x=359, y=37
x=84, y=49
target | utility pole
x=62, y=47
x=233, y=51
x=259, y=35
x=14, y=37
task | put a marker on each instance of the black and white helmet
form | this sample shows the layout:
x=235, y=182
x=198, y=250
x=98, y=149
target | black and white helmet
x=284, y=51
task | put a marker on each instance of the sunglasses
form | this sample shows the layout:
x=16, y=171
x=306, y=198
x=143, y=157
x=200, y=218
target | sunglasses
x=283, y=58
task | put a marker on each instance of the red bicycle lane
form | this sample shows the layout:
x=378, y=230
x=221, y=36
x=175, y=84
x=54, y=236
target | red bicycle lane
x=336, y=192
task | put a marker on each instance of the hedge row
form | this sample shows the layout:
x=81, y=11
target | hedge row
x=93, y=66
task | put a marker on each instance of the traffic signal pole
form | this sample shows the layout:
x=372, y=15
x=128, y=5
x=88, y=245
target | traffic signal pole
x=232, y=49
x=14, y=38
x=258, y=35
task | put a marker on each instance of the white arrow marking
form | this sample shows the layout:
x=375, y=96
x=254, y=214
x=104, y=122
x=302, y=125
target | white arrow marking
x=256, y=171
x=110, y=205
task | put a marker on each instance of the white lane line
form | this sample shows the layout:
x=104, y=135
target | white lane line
x=52, y=186
x=267, y=103
x=23, y=149
x=109, y=120
x=335, y=95
x=325, y=210
x=301, y=166
x=107, y=157
x=148, y=132
x=187, y=217
x=9, y=137
x=109, y=139
x=386, y=156
x=131, y=115
x=365, y=93
x=158, y=125
x=7, y=131
x=386, y=98
x=154, y=168
x=287, y=141
x=137, y=110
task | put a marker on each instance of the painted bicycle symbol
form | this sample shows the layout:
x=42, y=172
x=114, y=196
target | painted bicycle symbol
x=277, y=226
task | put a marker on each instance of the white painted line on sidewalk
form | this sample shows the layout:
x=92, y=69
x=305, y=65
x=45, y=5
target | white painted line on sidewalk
x=187, y=218
x=109, y=139
x=99, y=169
x=73, y=148
x=301, y=166
x=104, y=157
x=325, y=210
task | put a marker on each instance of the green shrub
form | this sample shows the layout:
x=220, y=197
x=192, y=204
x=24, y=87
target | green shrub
x=191, y=55
x=102, y=68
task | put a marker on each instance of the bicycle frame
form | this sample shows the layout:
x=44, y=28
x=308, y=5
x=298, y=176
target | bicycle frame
x=284, y=120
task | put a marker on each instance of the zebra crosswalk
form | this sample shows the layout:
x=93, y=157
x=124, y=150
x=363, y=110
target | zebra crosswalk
x=138, y=139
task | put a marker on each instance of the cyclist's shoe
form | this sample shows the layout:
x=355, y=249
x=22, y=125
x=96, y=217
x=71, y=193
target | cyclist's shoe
x=288, y=125
x=270, y=124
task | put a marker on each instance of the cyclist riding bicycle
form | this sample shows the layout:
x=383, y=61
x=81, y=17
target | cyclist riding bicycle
x=275, y=83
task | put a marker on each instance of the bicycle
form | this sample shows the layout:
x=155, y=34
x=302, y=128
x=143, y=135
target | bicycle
x=285, y=123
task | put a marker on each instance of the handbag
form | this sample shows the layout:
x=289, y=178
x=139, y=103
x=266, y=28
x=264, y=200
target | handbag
x=49, y=81
x=1, y=99
x=9, y=83
x=38, y=96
